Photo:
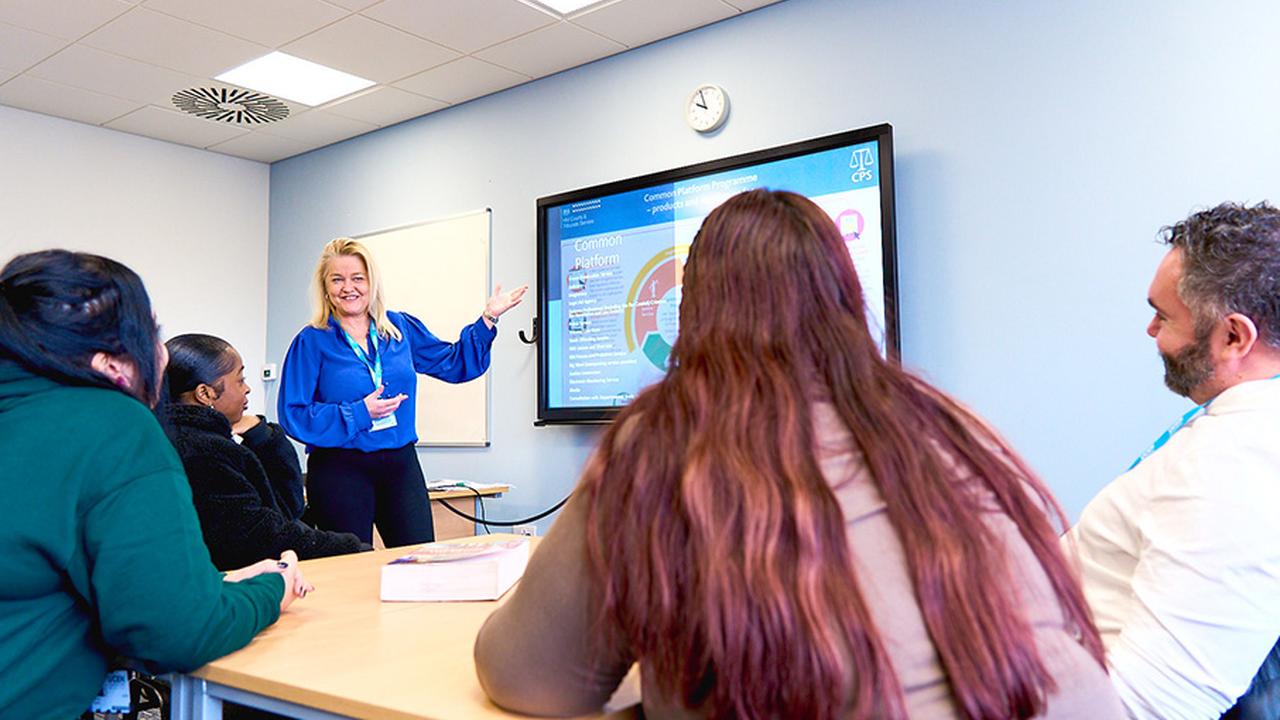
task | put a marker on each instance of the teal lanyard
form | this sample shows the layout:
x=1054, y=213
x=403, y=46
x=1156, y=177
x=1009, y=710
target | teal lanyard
x=375, y=366
x=1190, y=415
x=1186, y=419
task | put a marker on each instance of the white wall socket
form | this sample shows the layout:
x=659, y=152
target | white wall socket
x=530, y=530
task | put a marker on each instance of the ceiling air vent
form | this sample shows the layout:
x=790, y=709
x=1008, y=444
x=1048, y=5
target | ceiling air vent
x=231, y=105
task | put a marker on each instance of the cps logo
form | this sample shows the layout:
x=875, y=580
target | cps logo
x=861, y=161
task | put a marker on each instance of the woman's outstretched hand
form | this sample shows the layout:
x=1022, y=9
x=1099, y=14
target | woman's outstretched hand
x=501, y=302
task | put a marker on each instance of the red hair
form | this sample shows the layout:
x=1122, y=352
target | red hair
x=722, y=552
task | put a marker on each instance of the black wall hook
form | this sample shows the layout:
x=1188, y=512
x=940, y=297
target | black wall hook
x=530, y=340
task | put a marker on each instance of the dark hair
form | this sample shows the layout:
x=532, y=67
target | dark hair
x=194, y=359
x=60, y=308
x=1231, y=264
x=741, y=590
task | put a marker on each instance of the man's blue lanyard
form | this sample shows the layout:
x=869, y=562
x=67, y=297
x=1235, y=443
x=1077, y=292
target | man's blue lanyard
x=1186, y=419
x=1190, y=415
x=374, y=367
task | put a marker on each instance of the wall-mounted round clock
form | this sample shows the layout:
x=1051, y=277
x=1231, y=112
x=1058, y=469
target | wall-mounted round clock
x=707, y=108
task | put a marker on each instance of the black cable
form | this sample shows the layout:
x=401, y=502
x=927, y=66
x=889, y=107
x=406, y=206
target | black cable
x=503, y=523
x=480, y=501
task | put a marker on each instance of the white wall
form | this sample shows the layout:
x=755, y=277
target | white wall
x=192, y=223
x=1039, y=147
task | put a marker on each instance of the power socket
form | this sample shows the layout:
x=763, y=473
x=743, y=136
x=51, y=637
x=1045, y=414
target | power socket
x=529, y=530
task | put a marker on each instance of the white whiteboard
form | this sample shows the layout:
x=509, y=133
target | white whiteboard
x=438, y=271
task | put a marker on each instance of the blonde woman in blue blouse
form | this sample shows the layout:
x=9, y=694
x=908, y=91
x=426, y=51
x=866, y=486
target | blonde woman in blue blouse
x=347, y=390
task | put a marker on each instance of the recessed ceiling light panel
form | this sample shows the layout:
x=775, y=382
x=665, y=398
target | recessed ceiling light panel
x=293, y=78
x=564, y=7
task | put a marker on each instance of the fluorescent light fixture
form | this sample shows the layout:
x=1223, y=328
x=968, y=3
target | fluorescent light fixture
x=293, y=78
x=564, y=7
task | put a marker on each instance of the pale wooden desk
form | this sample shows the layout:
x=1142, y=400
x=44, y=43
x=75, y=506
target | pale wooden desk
x=341, y=652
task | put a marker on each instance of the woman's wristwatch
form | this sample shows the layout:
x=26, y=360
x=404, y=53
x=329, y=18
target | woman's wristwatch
x=491, y=318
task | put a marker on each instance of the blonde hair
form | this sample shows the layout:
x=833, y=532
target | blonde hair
x=320, y=296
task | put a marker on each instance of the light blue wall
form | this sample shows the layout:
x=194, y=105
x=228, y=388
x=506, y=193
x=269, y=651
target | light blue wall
x=1040, y=145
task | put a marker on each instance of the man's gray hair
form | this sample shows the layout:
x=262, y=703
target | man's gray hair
x=1231, y=264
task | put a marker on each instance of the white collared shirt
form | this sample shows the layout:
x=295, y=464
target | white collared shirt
x=1180, y=559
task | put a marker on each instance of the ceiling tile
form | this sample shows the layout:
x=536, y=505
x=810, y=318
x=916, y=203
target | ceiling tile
x=550, y=50
x=21, y=48
x=461, y=80
x=68, y=19
x=465, y=27
x=354, y=4
x=261, y=147
x=317, y=128
x=133, y=53
x=370, y=49
x=168, y=42
x=637, y=22
x=745, y=5
x=267, y=23
x=175, y=127
x=84, y=67
x=384, y=106
x=42, y=96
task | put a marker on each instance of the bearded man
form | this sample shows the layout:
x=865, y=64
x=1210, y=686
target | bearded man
x=1180, y=555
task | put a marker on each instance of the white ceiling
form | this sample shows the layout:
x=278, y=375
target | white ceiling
x=118, y=63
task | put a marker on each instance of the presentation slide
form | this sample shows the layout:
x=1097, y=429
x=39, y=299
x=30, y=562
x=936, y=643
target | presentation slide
x=615, y=266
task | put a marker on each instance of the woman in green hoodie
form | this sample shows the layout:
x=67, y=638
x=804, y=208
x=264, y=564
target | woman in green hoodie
x=102, y=552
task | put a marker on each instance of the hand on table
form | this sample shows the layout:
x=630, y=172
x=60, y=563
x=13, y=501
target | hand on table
x=381, y=407
x=295, y=585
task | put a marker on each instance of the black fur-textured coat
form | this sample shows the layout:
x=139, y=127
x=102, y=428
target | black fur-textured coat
x=244, y=515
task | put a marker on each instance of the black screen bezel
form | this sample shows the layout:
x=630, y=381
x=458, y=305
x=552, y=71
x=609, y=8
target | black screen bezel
x=882, y=134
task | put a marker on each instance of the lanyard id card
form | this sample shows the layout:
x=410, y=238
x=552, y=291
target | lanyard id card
x=374, y=367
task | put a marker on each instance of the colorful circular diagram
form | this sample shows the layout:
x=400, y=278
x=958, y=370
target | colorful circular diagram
x=653, y=305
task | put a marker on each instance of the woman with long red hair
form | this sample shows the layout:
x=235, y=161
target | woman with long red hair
x=790, y=526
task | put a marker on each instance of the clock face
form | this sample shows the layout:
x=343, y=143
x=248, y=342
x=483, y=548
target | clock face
x=707, y=109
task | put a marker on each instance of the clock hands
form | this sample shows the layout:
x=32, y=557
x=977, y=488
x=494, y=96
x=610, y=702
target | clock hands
x=705, y=108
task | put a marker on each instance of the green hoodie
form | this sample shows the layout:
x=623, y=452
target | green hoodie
x=100, y=550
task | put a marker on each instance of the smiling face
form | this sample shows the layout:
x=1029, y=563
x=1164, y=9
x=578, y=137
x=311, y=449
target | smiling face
x=347, y=286
x=1188, y=362
x=234, y=398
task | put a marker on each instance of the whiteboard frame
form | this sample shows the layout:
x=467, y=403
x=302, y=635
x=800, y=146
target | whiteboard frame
x=487, y=378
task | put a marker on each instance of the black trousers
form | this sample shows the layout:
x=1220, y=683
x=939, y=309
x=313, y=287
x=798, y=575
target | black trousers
x=350, y=490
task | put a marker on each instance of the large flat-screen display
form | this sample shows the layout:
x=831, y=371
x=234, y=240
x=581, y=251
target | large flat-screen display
x=611, y=261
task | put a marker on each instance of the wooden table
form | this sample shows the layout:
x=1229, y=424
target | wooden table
x=341, y=652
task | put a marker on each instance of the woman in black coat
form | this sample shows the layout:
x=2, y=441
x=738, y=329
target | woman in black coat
x=244, y=474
